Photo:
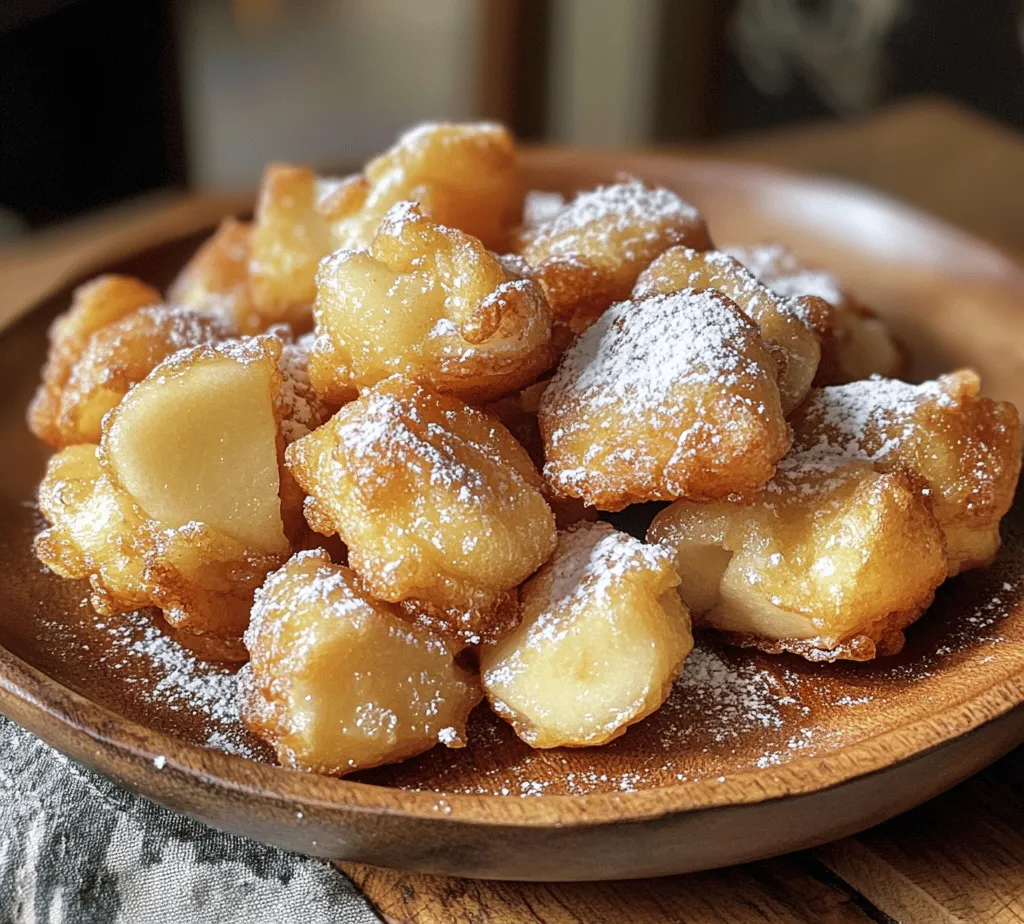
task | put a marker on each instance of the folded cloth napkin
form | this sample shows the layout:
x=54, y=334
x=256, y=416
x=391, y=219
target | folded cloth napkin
x=77, y=849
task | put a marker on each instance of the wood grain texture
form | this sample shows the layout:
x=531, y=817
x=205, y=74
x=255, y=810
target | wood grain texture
x=958, y=858
x=782, y=891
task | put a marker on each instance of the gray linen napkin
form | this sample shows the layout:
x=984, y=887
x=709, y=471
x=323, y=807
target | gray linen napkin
x=77, y=849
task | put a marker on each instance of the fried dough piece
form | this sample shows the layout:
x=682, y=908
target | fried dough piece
x=179, y=506
x=289, y=237
x=603, y=636
x=889, y=489
x=123, y=353
x=962, y=449
x=94, y=305
x=666, y=397
x=216, y=279
x=589, y=253
x=431, y=303
x=338, y=681
x=462, y=175
x=440, y=507
x=794, y=326
x=825, y=564
x=857, y=344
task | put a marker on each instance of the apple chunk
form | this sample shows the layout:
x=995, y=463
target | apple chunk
x=603, y=636
x=196, y=441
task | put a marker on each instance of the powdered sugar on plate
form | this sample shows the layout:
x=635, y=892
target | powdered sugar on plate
x=166, y=674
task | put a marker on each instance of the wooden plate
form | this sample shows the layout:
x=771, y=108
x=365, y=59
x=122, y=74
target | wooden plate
x=751, y=756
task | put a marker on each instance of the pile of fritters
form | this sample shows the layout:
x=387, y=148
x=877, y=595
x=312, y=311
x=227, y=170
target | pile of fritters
x=364, y=442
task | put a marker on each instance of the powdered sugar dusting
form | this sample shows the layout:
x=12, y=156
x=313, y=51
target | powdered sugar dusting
x=166, y=673
x=301, y=408
x=621, y=210
x=540, y=206
x=780, y=270
x=639, y=354
x=862, y=421
x=592, y=558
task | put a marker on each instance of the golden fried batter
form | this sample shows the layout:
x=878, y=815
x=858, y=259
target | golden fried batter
x=179, y=505
x=94, y=305
x=856, y=344
x=825, y=564
x=602, y=637
x=289, y=238
x=338, y=681
x=462, y=175
x=123, y=353
x=431, y=303
x=438, y=504
x=589, y=253
x=963, y=450
x=216, y=279
x=794, y=326
x=889, y=489
x=666, y=397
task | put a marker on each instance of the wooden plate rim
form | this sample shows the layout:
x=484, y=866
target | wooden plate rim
x=131, y=741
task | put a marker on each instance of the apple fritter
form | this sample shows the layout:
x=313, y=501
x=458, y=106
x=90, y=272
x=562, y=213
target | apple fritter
x=826, y=564
x=289, y=237
x=588, y=254
x=429, y=302
x=794, y=325
x=602, y=637
x=123, y=353
x=889, y=489
x=338, y=681
x=94, y=305
x=440, y=508
x=216, y=279
x=462, y=175
x=179, y=505
x=962, y=449
x=666, y=397
x=857, y=343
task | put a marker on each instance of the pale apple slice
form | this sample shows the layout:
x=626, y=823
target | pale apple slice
x=196, y=441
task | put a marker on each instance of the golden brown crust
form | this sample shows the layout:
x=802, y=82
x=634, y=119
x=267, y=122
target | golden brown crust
x=436, y=502
x=338, y=681
x=462, y=175
x=588, y=254
x=94, y=305
x=855, y=342
x=878, y=640
x=216, y=279
x=201, y=577
x=123, y=353
x=665, y=397
x=792, y=325
x=428, y=302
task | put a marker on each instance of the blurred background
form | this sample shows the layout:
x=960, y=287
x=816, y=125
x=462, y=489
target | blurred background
x=102, y=100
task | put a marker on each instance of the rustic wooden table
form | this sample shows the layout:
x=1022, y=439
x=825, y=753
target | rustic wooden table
x=959, y=858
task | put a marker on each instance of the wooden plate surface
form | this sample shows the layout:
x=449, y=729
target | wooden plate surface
x=751, y=756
